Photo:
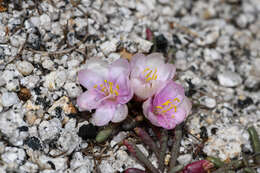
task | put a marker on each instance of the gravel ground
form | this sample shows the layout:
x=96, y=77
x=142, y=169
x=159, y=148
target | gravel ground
x=215, y=45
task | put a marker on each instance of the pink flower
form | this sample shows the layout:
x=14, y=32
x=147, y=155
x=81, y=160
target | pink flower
x=108, y=90
x=168, y=107
x=148, y=73
x=201, y=166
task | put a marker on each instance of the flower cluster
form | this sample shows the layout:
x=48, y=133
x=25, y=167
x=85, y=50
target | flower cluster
x=110, y=87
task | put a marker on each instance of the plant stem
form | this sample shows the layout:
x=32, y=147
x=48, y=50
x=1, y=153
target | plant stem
x=163, y=148
x=132, y=148
x=176, y=146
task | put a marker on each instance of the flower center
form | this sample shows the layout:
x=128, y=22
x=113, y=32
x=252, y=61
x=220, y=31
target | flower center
x=108, y=88
x=166, y=107
x=150, y=74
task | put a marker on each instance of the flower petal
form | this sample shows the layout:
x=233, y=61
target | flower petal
x=147, y=111
x=182, y=111
x=166, y=72
x=120, y=66
x=120, y=113
x=170, y=91
x=143, y=90
x=154, y=60
x=166, y=122
x=89, y=78
x=103, y=115
x=89, y=100
x=138, y=64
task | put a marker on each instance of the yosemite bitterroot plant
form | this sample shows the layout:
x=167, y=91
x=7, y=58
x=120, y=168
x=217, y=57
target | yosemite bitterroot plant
x=148, y=73
x=168, y=107
x=108, y=90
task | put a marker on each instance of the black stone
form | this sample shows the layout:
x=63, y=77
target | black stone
x=176, y=39
x=93, y=38
x=203, y=133
x=191, y=90
x=87, y=131
x=43, y=101
x=214, y=130
x=51, y=164
x=244, y=103
x=37, y=90
x=161, y=43
x=34, y=39
x=23, y=129
x=33, y=142
x=58, y=111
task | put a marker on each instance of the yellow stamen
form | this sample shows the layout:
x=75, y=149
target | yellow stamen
x=155, y=71
x=95, y=86
x=167, y=103
x=148, y=79
x=148, y=74
x=111, y=87
x=167, y=106
x=146, y=69
x=159, y=107
x=116, y=92
x=117, y=87
x=176, y=99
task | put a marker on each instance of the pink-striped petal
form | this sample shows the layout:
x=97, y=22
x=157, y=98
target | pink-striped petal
x=121, y=112
x=103, y=115
x=89, y=100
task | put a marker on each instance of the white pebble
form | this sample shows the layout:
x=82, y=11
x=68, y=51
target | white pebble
x=109, y=46
x=24, y=67
x=229, y=79
x=9, y=99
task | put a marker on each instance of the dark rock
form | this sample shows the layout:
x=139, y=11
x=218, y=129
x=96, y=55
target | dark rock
x=23, y=129
x=214, y=130
x=244, y=103
x=33, y=142
x=161, y=43
x=203, y=133
x=51, y=164
x=87, y=131
x=176, y=39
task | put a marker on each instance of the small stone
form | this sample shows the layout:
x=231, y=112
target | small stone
x=68, y=141
x=87, y=131
x=229, y=79
x=161, y=43
x=242, y=21
x=29, y=167
x=24, y=94
x=13, y=157
x=9, y=99
x=244, y=103
x=109, y=46
x=55, y=80
x=30, y=81
x=24, y=67
x=48, y=64
x=72, y=89
x=143, y=45
x=33, y=142
x=208, y=101
x=211, y=55
x=23, y=129
x=49, y=130
x=59, y=163
x=65, y=104
x=45, y=21
x=184, y=159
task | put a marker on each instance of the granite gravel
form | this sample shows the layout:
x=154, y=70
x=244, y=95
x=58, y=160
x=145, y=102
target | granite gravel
x=215, y=46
